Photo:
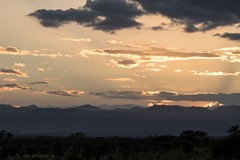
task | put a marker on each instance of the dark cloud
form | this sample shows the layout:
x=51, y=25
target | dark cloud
x=228, y=99
x=127, y=62
x=230, y=36
x=39, y=82
x=106, y=15
x=119, y=94
x=11, y=87
x=156, y=51
x=196, y=15
x=112, y=15
x=69, y=93
x=4, y=71
x=157, y=28
x=12, y=49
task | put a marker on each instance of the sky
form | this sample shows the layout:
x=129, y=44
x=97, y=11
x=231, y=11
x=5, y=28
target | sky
x=75, y=52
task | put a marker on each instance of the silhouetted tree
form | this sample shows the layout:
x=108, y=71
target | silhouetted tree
x=77, y=135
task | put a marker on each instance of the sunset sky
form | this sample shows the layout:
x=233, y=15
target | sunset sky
x=74, y=52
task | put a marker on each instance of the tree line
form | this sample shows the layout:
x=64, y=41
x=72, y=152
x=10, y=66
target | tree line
x=189, y=145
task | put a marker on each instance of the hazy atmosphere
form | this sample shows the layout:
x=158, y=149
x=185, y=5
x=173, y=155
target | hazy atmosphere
x=75, y=52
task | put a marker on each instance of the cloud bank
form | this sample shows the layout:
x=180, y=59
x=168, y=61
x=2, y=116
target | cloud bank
x=112, y=15
x=227, y=99
x=196, y=15
x=106, y=15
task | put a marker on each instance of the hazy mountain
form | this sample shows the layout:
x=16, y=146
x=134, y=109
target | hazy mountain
x=136, y=121
x=228, y=108
x=28, y=108
x=5, y=106
x=133, y=109
x=33, y=106
x=166, y=108
x=88, y=107
x=120, y=107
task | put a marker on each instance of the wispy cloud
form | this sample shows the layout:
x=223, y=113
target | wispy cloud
x=12, y=87
x=68, y=93
x=132, y=56
x=39, y=83
x=9, y=79
x=41, y=69
x=77, y=39
x=231, y=54
x=178, y=71
x=15, y=72
x=208, y=73
x=19, y=65
x=153, y=69
x=120, y=79
x=114, y=42
x=36, y=53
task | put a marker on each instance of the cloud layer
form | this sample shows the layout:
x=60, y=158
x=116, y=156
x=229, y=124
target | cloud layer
x=227, y=99
x=132, y=55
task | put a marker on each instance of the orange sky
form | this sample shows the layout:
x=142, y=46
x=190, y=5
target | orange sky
x=107, y=59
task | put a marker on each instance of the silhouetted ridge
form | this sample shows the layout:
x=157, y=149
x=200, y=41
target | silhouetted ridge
x=133, y=109
x=121, y=107
x=88, y=107
x=92, y=120
x=33, y=106
x=137, y=109
x=228, y=108
x=6, y=106
x=166, y=108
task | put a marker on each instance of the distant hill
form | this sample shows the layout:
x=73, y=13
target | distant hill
x=6, y=106
x=33, y=106
x=135, y=121
x=120, y=106
x=228, y=108
x=88, y=107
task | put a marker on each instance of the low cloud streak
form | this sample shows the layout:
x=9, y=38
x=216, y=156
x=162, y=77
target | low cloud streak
x=15, y=72
x=227, y=99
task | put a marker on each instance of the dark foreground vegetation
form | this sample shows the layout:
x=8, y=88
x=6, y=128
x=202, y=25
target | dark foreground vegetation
x=189, y=145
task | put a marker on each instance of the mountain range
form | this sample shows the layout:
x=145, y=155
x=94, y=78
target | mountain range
x=125, y=121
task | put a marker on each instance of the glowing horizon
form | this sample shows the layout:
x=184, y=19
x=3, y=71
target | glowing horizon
x=77, y=52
